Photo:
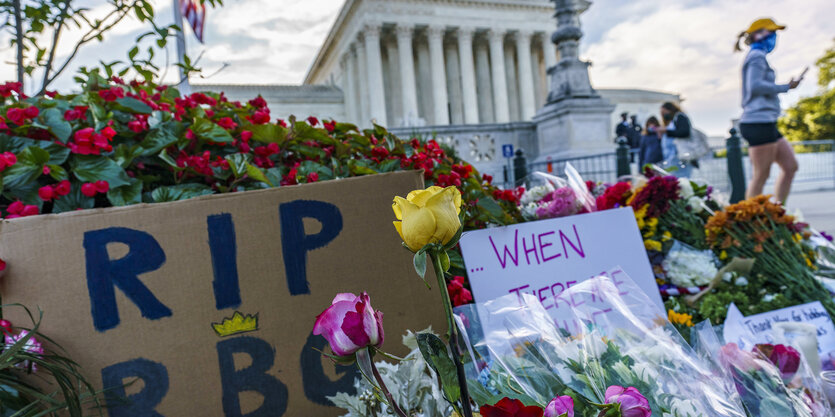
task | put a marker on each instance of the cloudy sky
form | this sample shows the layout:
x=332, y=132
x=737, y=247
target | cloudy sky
x=682, y=46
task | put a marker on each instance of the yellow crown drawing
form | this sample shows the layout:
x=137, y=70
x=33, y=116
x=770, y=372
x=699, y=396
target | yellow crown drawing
x=238, y=323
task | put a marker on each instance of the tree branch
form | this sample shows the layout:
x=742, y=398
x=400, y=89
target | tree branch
x=89, y=36
x=60, y=24
x=19, y=36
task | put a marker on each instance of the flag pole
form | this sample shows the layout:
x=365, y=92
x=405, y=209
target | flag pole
x=183, y=84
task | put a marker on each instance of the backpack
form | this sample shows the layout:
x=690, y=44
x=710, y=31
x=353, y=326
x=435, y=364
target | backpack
x=694, y=147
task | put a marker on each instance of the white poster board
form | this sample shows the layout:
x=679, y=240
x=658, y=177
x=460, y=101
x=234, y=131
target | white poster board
x=546, y=257
x=758, y=328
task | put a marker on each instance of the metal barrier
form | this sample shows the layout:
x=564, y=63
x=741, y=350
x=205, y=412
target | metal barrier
x=816, y=160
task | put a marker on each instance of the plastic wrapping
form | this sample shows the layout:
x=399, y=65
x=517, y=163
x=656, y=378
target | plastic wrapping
x=686, y=266
x=575, y=181
x=771, y=380
x=615, y=336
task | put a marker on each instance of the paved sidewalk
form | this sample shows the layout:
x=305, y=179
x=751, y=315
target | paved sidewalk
x=818, y=208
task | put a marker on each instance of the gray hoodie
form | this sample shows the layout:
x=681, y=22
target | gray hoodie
x=760, y=103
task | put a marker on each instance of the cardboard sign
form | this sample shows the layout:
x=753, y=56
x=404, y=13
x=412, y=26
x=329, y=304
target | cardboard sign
x=546, y=257
x=210, y=302
x=758, y=328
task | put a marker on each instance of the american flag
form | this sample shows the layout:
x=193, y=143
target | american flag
x=195, y=13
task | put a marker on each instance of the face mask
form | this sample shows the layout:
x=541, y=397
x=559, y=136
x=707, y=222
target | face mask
x=766, y=44
x=668, y=117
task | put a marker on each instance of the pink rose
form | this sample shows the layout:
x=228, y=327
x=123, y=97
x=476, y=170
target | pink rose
x=731, y=355
x=787, y=359
x=350, y=324
x=560, y=406
x=630, y=402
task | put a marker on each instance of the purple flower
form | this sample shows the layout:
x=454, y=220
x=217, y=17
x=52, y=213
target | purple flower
x=559, y=203
x=350, y=324
x=827, y=236
x=559, y=407
x=629, y=400
x=31, y=346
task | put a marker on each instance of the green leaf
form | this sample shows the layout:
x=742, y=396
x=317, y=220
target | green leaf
x=133, y=105
x=180, y=192
x=57, y=172
x=444, y=258
x=306, y=167
x=257, y=174
x=54, y=120
x=269, y=133
x=57, y=154
x=435, y=354
x=238, y=163
x=208, y=130
x=274, y=175
x=27, y=170
x=389, y=165
x=159, y=138
x=73, y=201
x=92, y=168
x=126, y=194
x=492, y=208
x=124, y=154
x=420, y=263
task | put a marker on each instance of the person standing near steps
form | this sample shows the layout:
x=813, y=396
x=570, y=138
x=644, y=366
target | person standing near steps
x=760, y=110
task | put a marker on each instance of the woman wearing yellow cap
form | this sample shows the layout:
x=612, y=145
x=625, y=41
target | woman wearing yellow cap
x=761, y=108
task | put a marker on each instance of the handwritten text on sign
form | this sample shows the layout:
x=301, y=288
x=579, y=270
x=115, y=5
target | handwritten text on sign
x=546, y=257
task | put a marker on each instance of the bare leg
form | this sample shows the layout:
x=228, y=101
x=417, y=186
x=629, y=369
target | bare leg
x=788, y=167
x=762, y=157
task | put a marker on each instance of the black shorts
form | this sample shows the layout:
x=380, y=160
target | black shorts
x=760, y=133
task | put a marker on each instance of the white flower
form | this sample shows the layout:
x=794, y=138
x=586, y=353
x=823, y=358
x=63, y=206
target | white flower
x=529, y=211
x=768, y=298
x=741, y=282
x=645, y=373
x=689, y=268
x=695, y=204
x=685, y=188
x=727, y=277
x=535, y=194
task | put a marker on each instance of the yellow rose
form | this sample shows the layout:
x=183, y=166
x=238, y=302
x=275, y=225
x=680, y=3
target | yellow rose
x=428, y=216
x=652, y=245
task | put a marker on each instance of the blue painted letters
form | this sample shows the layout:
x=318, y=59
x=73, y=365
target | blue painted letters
x=295, y=243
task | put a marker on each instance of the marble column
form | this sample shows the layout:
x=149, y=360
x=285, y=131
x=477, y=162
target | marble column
x=440, y=100
x=497, y=65
x=408, y=86
x=468, y=83
x=391, y=76
x=486, y=113
x=350, y=90
x=549, y=52
x=376, y=89
x=527, y=96
x=453, y=84
x=362, y=81
x=511, y=70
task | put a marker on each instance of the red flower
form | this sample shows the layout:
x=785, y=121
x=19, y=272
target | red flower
x=102, y=186
x=29, y=210
x=258, y=102
x=9, y=87
x=313, y=177
x=210, y=113
x=31, y=112
x=510, y=408
x=46, y=170
x=112, y=93
x=50, y=94
x=658, y=193
x=78, y=112
x=246, y=135
x=46, y=193
x=615, y=196
x=260, y=117
x=7, y=159
x=5, y=325
x=281, y=123
x=463, y=170
x=380, y=152
x=457, y=293
x=63, y=188
x=487, y=178
x=313, y=121
x=89, y=189
x=227, y=123
x=16, y=116
x=136, y=126
x=290, y=178
x=330, y=126
x=15, y=208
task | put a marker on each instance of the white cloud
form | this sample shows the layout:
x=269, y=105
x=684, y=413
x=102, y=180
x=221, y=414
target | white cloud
x=687, y=48
x=682, y=46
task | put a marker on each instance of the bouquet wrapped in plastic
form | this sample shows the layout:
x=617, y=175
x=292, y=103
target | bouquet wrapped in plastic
x=772, y=380
x=610, y=349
